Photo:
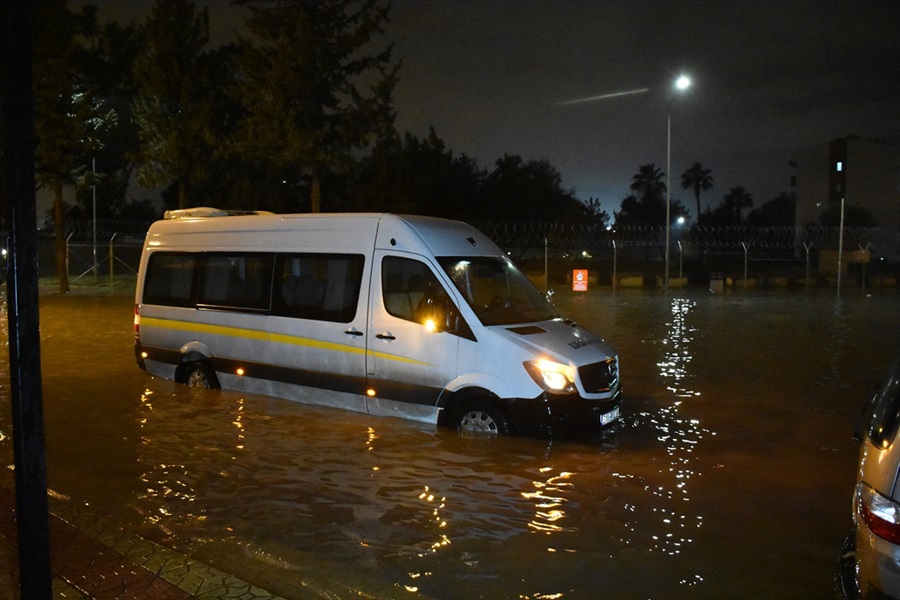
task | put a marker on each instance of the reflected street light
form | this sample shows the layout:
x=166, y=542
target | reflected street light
x=681, y=84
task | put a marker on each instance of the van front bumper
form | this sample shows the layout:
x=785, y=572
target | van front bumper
x=563, y=413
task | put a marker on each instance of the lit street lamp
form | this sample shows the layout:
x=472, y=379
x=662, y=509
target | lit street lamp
x=681, y=84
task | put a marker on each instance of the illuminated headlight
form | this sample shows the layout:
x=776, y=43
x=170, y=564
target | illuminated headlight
x=552, y=376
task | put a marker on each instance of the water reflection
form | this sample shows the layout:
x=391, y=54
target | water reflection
x=676, y=522
x=293, y=495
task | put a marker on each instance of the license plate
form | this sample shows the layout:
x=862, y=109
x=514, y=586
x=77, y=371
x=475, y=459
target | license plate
x=607, y=418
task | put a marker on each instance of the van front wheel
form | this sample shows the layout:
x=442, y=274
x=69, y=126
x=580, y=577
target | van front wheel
x=482, y=418
x=199, y=374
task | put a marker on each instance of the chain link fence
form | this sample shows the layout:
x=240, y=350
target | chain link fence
x=550, y=251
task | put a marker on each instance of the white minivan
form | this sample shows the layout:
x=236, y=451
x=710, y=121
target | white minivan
x=414, y=317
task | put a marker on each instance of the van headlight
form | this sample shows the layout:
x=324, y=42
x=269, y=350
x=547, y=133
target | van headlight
x=552, y=376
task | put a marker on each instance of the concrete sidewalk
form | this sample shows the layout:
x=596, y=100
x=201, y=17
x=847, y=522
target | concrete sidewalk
x=93, y=559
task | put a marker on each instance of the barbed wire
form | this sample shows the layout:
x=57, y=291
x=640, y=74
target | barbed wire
x=566, y=234
x=706, y=237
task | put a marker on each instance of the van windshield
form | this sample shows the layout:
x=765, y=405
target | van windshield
x=498, y=292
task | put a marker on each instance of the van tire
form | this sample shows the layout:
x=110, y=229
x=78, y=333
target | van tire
x=481, y=417
x=200, y=374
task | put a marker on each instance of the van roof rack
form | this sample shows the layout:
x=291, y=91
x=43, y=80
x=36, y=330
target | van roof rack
x=206, y=211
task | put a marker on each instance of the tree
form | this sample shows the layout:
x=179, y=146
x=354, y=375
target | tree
x=519, y=190
x=854, y=216
x=172, y=108
x=417, y=176
x=69, y=120
x=647, y=205
x=697, y=179
x=648, y=184
x=775, y=213
x=302, y=71
x=731, y=211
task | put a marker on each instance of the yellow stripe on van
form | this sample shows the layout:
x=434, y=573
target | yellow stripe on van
x=281, y=338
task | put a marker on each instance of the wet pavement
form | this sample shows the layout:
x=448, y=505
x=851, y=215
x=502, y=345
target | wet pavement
x=728, y=476
x=92, y=558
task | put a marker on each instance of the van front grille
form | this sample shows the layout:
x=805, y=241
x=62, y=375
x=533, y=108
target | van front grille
x=600, y=377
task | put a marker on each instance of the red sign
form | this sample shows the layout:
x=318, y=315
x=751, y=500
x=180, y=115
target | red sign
x=579, y=280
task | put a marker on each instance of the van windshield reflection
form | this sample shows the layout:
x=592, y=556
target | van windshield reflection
x=498, y=292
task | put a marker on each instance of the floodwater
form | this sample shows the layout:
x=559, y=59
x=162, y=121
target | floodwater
x=729, y=475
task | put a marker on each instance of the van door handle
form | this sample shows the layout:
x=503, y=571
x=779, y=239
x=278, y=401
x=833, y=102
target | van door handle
x=385, y=336
x=354, y=331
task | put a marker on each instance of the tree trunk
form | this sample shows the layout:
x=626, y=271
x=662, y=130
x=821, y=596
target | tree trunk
x=62, y=267
x=315, y=199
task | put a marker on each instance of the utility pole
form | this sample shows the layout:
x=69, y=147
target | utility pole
x=18, y=195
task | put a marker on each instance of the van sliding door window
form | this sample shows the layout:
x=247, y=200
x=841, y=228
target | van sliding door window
x=323, y=287
x=236, y=280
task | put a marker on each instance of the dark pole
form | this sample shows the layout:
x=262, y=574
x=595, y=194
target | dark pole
x=18, y=193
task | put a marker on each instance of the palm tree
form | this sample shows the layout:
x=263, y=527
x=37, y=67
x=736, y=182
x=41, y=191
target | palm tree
x=737, y=200
x=699, y=180
x=648, y=183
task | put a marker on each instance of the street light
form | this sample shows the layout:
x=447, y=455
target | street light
x=681, y=84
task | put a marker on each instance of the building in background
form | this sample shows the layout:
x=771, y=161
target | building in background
x=864, y=172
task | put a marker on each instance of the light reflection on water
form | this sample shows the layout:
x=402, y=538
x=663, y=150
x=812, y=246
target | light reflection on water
x=717, y=391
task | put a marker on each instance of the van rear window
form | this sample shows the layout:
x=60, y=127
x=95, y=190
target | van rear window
x=170, y=277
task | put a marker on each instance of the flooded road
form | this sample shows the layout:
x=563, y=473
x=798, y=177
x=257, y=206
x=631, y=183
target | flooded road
x=729, y=474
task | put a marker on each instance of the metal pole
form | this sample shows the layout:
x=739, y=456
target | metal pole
x=17, y=187
x=94, y=227
x=111, y=259
x=546, y=269
x=746, y=254
x=615, y=261
x=807, y=246
x=840, y=250
x=680, y=263
x=668, y=190
x=865, y=261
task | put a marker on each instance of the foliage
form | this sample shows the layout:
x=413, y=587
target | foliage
x=731, y=210
x=70, y=120
x=775, y=213
x=172, y=107
x=697, y=179
x=854, y=216
x=301, y=80
x=647, y=205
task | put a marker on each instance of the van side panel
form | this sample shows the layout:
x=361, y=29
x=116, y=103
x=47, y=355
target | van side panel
x=307, y=343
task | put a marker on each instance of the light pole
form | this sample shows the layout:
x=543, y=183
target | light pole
x=681, y=84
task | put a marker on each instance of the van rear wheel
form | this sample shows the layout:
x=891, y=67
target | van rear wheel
x=482, y=418
x=200, y=374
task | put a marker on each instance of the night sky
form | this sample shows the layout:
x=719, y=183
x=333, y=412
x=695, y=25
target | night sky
x=770, y=78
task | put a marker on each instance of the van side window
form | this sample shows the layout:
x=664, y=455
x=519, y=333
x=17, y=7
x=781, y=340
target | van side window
x=411, y=291
x=236, y=280
x=169, y=279
x=324, y=287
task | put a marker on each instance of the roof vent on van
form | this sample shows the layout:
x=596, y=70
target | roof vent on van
x=206, y=211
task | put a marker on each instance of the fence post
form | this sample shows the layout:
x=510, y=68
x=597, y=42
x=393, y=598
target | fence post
x=112, y=281
x=66, y=266
x=808, y=247
x=680, y=263
x=864, y=263
x=615, y=261
x=546, y=269
x=746, y=258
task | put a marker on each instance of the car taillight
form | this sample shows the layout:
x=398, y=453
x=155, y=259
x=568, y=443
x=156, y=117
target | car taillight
x=137, y=321
x=880, y=514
